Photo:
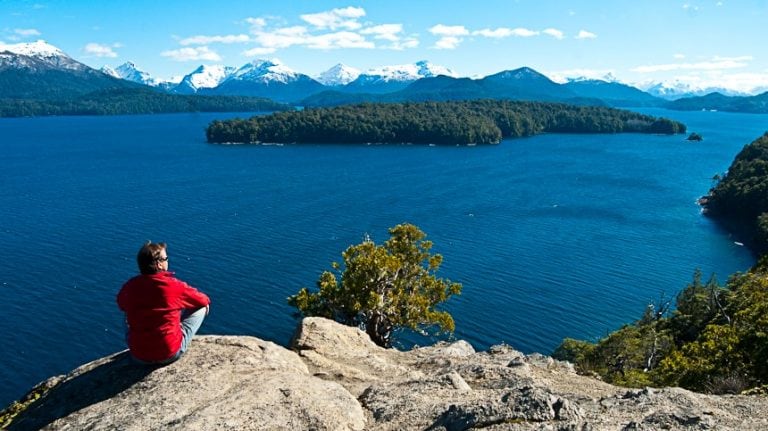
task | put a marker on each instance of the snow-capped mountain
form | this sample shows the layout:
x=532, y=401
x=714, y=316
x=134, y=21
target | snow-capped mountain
x=268, y=78
x=265, y=71
x=608, y=77
x=407, y=72
x=393, y=78
x=338, y=75
x=39, y=70
x=130, y=72
x=612, y=91
x=205, y=76
x=35, y=54
x=677, y=89
x=110, y=71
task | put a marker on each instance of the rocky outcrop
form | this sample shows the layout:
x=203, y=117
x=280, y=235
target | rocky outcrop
x=335, y=378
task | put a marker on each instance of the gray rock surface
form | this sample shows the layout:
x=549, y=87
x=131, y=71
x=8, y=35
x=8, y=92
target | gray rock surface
x=337, y=379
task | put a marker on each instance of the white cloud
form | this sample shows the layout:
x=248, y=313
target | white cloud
x=449, y=30
x=679, y=56
x=333, y=29
x=495, y=34
x=524, y=32
x=557, y=34
x=716, y=63
x=342, y=39
x=282, y=37
x=205, y=40
x=410, y=42
x=336, y=18
x=255, y=52
x=583, y=34
x=189, y=54
x=448, y=42
x=384, y=31
x=299, y=36
x=26, y=32
x=257, y=22
x=505, y=32
x=449, y=35
x=98, y=50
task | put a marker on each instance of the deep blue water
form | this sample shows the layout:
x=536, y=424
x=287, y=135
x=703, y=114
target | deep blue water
x=553, y=236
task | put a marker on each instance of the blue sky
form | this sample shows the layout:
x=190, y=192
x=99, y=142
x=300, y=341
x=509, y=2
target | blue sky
x=706, y=43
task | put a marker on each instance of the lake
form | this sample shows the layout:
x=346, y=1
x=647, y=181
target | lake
x=552, y=236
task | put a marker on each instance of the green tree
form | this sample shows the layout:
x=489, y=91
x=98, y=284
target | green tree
x=384, y=287
x=697, y=306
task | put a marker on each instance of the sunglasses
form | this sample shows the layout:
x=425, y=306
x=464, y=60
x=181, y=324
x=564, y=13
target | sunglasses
x=162, y=259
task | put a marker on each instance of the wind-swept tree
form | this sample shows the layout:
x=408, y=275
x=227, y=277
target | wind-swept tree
x=383, y=287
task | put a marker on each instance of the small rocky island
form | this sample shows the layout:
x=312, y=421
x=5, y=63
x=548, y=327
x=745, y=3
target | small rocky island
x=694, y=137
x=335, y=378
x=435, y=123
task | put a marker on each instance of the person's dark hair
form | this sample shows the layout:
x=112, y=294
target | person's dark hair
x=148, y=256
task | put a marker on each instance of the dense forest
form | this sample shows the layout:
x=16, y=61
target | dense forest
x=715, y=340
x=458, y=122
x=740, y=198
x=134, y=101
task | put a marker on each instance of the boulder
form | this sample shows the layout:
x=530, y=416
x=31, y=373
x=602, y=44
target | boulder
x=335, y=378
x=221, y=383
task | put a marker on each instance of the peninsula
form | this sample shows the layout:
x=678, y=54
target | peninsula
x=739, y=200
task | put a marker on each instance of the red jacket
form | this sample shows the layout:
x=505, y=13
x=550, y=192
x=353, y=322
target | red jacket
x=153, y=304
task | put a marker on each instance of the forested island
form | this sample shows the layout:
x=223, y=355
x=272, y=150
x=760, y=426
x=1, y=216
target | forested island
x=740, y=198
x=448, y=123
x=124, y=101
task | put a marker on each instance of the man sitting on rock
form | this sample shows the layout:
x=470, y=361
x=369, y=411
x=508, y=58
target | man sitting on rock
x=162, y=312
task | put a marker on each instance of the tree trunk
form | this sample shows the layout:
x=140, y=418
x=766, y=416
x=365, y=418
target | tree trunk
x=379, y=328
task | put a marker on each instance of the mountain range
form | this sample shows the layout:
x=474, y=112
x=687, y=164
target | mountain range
x=40, y=71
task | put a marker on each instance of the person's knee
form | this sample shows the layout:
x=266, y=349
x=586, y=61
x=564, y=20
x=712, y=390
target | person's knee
x=192, y=321
x=200, y=311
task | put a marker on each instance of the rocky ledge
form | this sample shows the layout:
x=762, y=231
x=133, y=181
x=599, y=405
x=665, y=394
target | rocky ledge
x=335, y=378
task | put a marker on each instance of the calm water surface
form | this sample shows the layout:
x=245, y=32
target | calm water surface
x=553, y=236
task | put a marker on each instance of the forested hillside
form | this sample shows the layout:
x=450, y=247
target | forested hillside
x=740, y=198
x=134, y=101
x=715, y=340
x=465, y=122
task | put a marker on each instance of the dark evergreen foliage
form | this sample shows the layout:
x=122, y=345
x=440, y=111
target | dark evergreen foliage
x=466, y=122
x=134, y=101
x=716, y=340
x=740, y=198
x=47, y=83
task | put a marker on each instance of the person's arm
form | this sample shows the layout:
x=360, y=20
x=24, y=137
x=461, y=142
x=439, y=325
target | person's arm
x=193, y=298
